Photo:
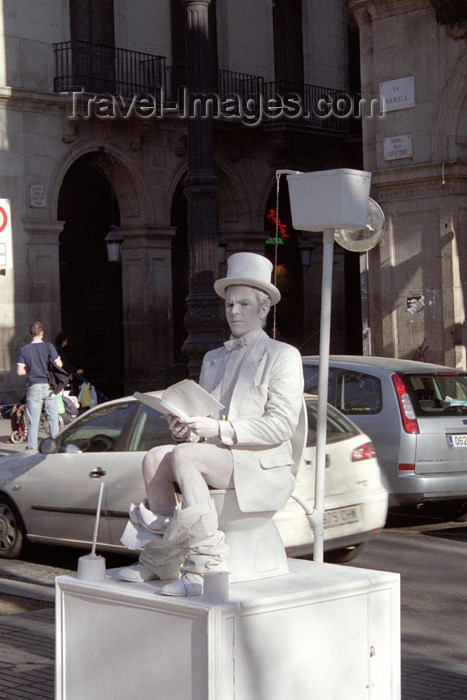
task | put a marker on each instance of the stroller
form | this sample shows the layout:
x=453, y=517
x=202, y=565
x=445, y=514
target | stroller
x=19, y=423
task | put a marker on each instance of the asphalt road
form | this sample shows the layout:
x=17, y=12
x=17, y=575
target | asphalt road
x=431, y=556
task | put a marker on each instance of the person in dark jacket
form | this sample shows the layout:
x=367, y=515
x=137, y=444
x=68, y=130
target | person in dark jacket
x=61, y=341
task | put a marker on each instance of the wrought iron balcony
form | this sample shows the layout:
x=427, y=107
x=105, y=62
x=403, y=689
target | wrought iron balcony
x=99, y=69
x=223, y=84
x=320, y=107
x=250, y=99
x=94, y=68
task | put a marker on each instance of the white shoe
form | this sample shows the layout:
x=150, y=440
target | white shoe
x=137, y=573
x=187, y=584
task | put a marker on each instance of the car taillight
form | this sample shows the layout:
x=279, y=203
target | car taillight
x=409, y=420
x=366, y=451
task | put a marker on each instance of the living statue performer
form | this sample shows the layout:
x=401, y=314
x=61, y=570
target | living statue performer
x=259, y=381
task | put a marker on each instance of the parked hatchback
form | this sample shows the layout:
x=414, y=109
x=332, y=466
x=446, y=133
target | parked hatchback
x=416, y=415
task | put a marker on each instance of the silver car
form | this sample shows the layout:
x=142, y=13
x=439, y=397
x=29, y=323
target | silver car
x=416, y=415
x=51, y=496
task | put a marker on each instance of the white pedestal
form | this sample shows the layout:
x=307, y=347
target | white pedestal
x=321, y=632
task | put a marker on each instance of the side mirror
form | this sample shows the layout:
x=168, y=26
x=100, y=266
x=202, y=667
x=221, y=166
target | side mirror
x=48, y=446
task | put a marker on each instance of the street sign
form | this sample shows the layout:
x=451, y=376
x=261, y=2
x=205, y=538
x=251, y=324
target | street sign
x=6, y=242
x=397, y=94
x=396, y=147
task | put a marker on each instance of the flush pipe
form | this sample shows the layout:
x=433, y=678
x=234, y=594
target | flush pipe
x=316, y=515
x=288, y=172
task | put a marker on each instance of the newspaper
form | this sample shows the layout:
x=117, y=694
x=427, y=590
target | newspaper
x=184, y=400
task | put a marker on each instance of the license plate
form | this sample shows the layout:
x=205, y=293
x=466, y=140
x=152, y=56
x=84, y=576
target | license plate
x=457, y=442
x=340, y=516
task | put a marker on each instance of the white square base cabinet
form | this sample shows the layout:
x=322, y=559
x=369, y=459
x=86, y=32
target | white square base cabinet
x=321, y=632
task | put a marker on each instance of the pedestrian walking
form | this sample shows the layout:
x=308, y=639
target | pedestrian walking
x=32, y=363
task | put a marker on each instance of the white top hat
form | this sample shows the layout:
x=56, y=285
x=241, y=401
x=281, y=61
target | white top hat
x=251, y=270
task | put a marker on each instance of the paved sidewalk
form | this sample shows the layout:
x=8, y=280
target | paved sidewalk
x=27, y=631
x=6, y=446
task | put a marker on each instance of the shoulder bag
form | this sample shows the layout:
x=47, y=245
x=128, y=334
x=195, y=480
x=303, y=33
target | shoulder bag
x=58, y=377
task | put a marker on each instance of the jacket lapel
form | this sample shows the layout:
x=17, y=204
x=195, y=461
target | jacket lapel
x=211, y=370
x=248, y=372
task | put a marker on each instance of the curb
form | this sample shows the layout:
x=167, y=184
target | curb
x=27, y=590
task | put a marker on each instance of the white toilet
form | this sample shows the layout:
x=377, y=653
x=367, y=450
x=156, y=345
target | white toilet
x=256, y=548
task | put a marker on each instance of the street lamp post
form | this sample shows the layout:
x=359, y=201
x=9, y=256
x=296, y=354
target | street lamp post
x=203, y=319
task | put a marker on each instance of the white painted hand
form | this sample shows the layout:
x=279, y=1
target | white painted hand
x=179, y=429
x=203, y=427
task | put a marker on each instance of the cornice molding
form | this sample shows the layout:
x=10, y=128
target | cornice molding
x=29, y=99
x=147, y=237
x=41, y=226
x=426, y=180
x=378, y=9
x=42, y=231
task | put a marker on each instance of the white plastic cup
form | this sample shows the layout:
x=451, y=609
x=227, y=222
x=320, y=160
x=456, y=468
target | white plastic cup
x=91, y=567
x=216, y=586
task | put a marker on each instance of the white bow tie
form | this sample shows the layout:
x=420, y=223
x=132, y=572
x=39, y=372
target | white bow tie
x=236, y=343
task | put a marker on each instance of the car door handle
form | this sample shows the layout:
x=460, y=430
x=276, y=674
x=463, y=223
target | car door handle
x=97, y=473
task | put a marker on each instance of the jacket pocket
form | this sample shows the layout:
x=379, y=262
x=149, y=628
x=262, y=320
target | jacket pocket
x=276, y=458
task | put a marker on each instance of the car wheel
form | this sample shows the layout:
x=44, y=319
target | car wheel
x=11, y=530
x=346, y=554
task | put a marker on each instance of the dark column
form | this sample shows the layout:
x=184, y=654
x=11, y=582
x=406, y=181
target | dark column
x=204, y=316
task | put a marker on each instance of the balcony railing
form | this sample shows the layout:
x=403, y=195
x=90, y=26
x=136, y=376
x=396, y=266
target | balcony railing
x=325, y=108
x=223, y=83
x=305, y=105
x=98, y=69
x=81, y=65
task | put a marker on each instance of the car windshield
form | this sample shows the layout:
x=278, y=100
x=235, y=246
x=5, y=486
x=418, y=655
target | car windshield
x=437, y=394
x=338, y=427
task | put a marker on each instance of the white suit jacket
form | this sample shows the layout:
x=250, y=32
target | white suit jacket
x=264, y=411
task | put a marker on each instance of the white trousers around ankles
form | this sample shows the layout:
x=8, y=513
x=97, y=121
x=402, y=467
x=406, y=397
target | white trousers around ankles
x=36, y=396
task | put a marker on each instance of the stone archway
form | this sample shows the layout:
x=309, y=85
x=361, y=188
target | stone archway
x=90, y=286
x=178, y=219
x=282, y=248
x=234, y=220
x=451, y=119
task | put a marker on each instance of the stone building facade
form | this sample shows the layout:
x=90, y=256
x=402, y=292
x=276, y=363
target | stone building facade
x=82, y=151
x=414, y=57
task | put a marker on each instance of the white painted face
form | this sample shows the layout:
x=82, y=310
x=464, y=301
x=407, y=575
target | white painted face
x=241, y=310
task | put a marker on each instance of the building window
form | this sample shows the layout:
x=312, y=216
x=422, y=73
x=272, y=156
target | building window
x=288, y=41
x=92, y=26
x=92, y=21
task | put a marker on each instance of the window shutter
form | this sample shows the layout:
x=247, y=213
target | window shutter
x=92, y=29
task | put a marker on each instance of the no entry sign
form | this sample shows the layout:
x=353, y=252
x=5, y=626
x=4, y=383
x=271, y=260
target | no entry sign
x=6, y=244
